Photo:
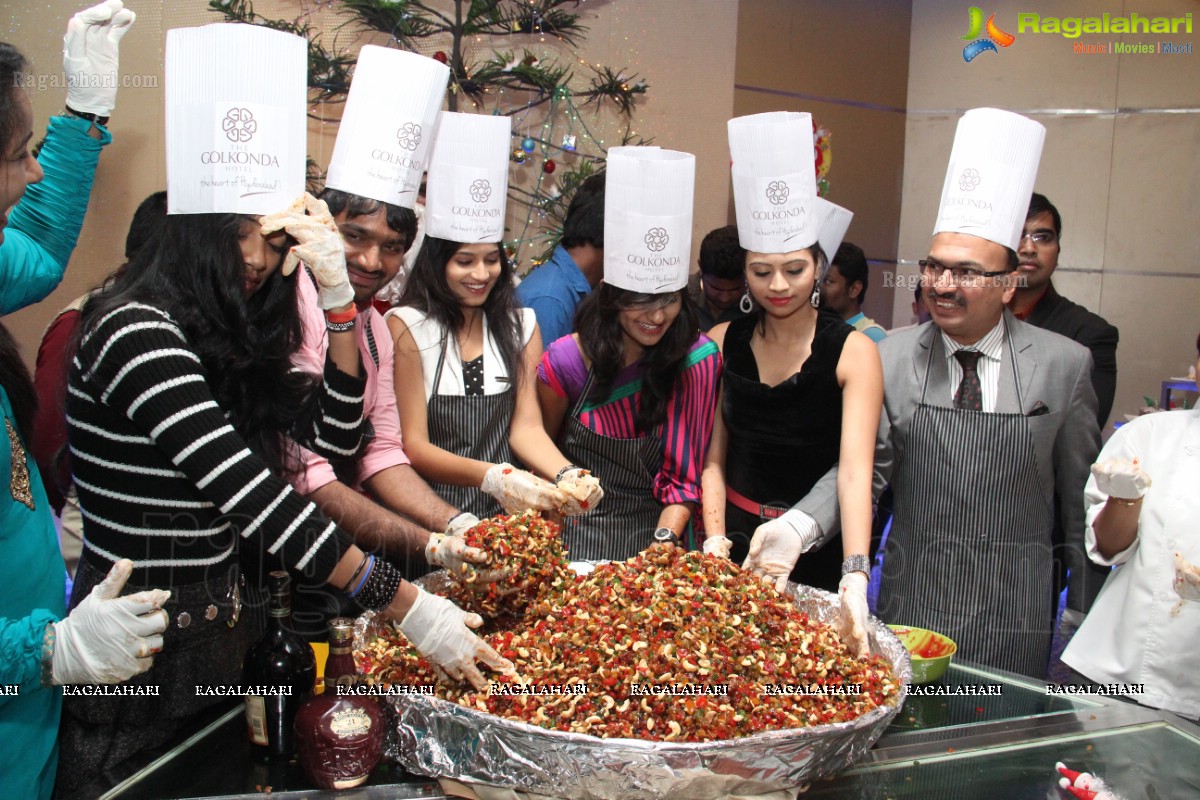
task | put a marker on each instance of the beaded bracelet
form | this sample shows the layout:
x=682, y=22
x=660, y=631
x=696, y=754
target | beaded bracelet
x=339, y=327
x=564, y=471
x=380, y=587
x=48, y=655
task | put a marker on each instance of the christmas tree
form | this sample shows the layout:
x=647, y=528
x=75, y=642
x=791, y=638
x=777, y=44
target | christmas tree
x=511, y=57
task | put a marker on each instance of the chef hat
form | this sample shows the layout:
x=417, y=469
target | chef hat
x=468, y=178
x=388, y=125
x=833, y=222
x=993, y=165
x=774, y=181
x=236, y=127
x=648, y=196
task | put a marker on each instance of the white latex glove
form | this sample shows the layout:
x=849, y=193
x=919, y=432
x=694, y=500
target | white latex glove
x=853, y=613
x=320, y=247
x=518, y=490
x=452, y=553
x=777, y=545
x=1118, y=477
x=108, y=638
x=90, y=56
x=1186, y=582
x=581, y=491
x=441, y=631
x=718, y=545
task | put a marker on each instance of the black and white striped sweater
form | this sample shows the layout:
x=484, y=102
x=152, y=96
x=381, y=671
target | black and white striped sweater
x=164, y=480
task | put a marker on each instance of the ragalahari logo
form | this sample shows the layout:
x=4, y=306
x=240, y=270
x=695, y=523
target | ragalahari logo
x=995, y=36
x=239, y=125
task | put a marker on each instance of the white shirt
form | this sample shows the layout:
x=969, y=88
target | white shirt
x=992, y=347
x=429, y=336
x=1131, y=635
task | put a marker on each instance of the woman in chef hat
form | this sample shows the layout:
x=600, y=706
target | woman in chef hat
x=630, y=395
x=802, y=391
x=183, y=402
x=466, y=351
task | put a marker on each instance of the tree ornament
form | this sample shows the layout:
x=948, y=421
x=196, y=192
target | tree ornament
x=528, y=143
x=568, y=142
x=440, y=57
x=549, y=166
x=519, y=156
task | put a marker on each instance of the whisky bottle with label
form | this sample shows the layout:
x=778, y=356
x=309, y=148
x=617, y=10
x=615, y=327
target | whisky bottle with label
x=278, y=673
x=340, y=736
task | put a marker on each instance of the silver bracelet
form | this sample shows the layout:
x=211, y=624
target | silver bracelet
x=856, y=563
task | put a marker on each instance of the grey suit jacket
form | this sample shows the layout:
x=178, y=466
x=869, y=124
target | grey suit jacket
x=1054, y=371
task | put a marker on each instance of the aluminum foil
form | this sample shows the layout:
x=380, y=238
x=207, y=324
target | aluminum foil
x=437, y=738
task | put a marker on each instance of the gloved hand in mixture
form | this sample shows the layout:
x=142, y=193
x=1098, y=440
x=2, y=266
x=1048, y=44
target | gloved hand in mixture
x=718, y=544
x=320, y=247
x=853, y=613
x=517, y=489
x=777, y=545
x=581, y=491
x=1118, y=477
x=450, y=550
x=109, y=638
x=441, y=631
x=90, y=55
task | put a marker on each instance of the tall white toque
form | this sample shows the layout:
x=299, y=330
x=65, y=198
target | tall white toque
x=774, y=181
x=236, y=126
x=388, y=125
x=833, y=222
x=648, y=195
x=467, y=187
x=993, y=165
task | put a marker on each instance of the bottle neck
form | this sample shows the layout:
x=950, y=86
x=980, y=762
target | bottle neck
x=339, y=667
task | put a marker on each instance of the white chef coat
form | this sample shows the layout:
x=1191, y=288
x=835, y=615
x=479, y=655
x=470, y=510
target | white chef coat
x=1130, y=635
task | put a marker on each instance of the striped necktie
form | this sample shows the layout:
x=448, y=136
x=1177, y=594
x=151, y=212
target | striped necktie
x=970, y=391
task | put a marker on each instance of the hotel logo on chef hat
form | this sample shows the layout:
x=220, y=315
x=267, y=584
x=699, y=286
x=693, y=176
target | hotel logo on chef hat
x=387, y=128
x=236, y=126
x=468, y=178
x=648, y=194
x=832, y=222
x=774, y=181
x=993, y=165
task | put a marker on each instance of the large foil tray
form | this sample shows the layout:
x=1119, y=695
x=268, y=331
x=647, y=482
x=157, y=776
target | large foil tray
x=437, y=738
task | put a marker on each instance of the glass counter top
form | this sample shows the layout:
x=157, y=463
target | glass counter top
x=989, y=743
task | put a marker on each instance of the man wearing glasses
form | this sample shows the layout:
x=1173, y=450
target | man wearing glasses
x=1037, y=302
x=986, y=420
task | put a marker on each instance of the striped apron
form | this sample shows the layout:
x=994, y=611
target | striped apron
x=472, y=427
x=969, y=553
x=623, y=524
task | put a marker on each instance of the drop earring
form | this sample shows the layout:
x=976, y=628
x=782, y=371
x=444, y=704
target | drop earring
x=746, y=304
x=815, y=300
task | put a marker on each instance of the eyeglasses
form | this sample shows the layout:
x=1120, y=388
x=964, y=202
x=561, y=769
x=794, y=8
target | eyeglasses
x=648, y=302
x=1040, y=237
x=963, y=276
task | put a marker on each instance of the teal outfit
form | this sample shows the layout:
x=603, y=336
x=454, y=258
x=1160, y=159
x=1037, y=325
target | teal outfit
x=864, y=324
x=42, y=231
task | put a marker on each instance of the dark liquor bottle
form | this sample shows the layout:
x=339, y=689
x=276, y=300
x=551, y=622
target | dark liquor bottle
x=339, y=737
x=281, y=661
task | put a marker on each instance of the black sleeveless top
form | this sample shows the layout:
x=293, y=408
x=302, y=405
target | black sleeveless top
x=784, y=438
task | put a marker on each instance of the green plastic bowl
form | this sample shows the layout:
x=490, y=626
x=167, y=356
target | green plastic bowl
x=930, y=652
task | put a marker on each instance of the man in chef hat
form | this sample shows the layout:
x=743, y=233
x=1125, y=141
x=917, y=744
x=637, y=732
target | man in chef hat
x=986, y=420
x=374, y=180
